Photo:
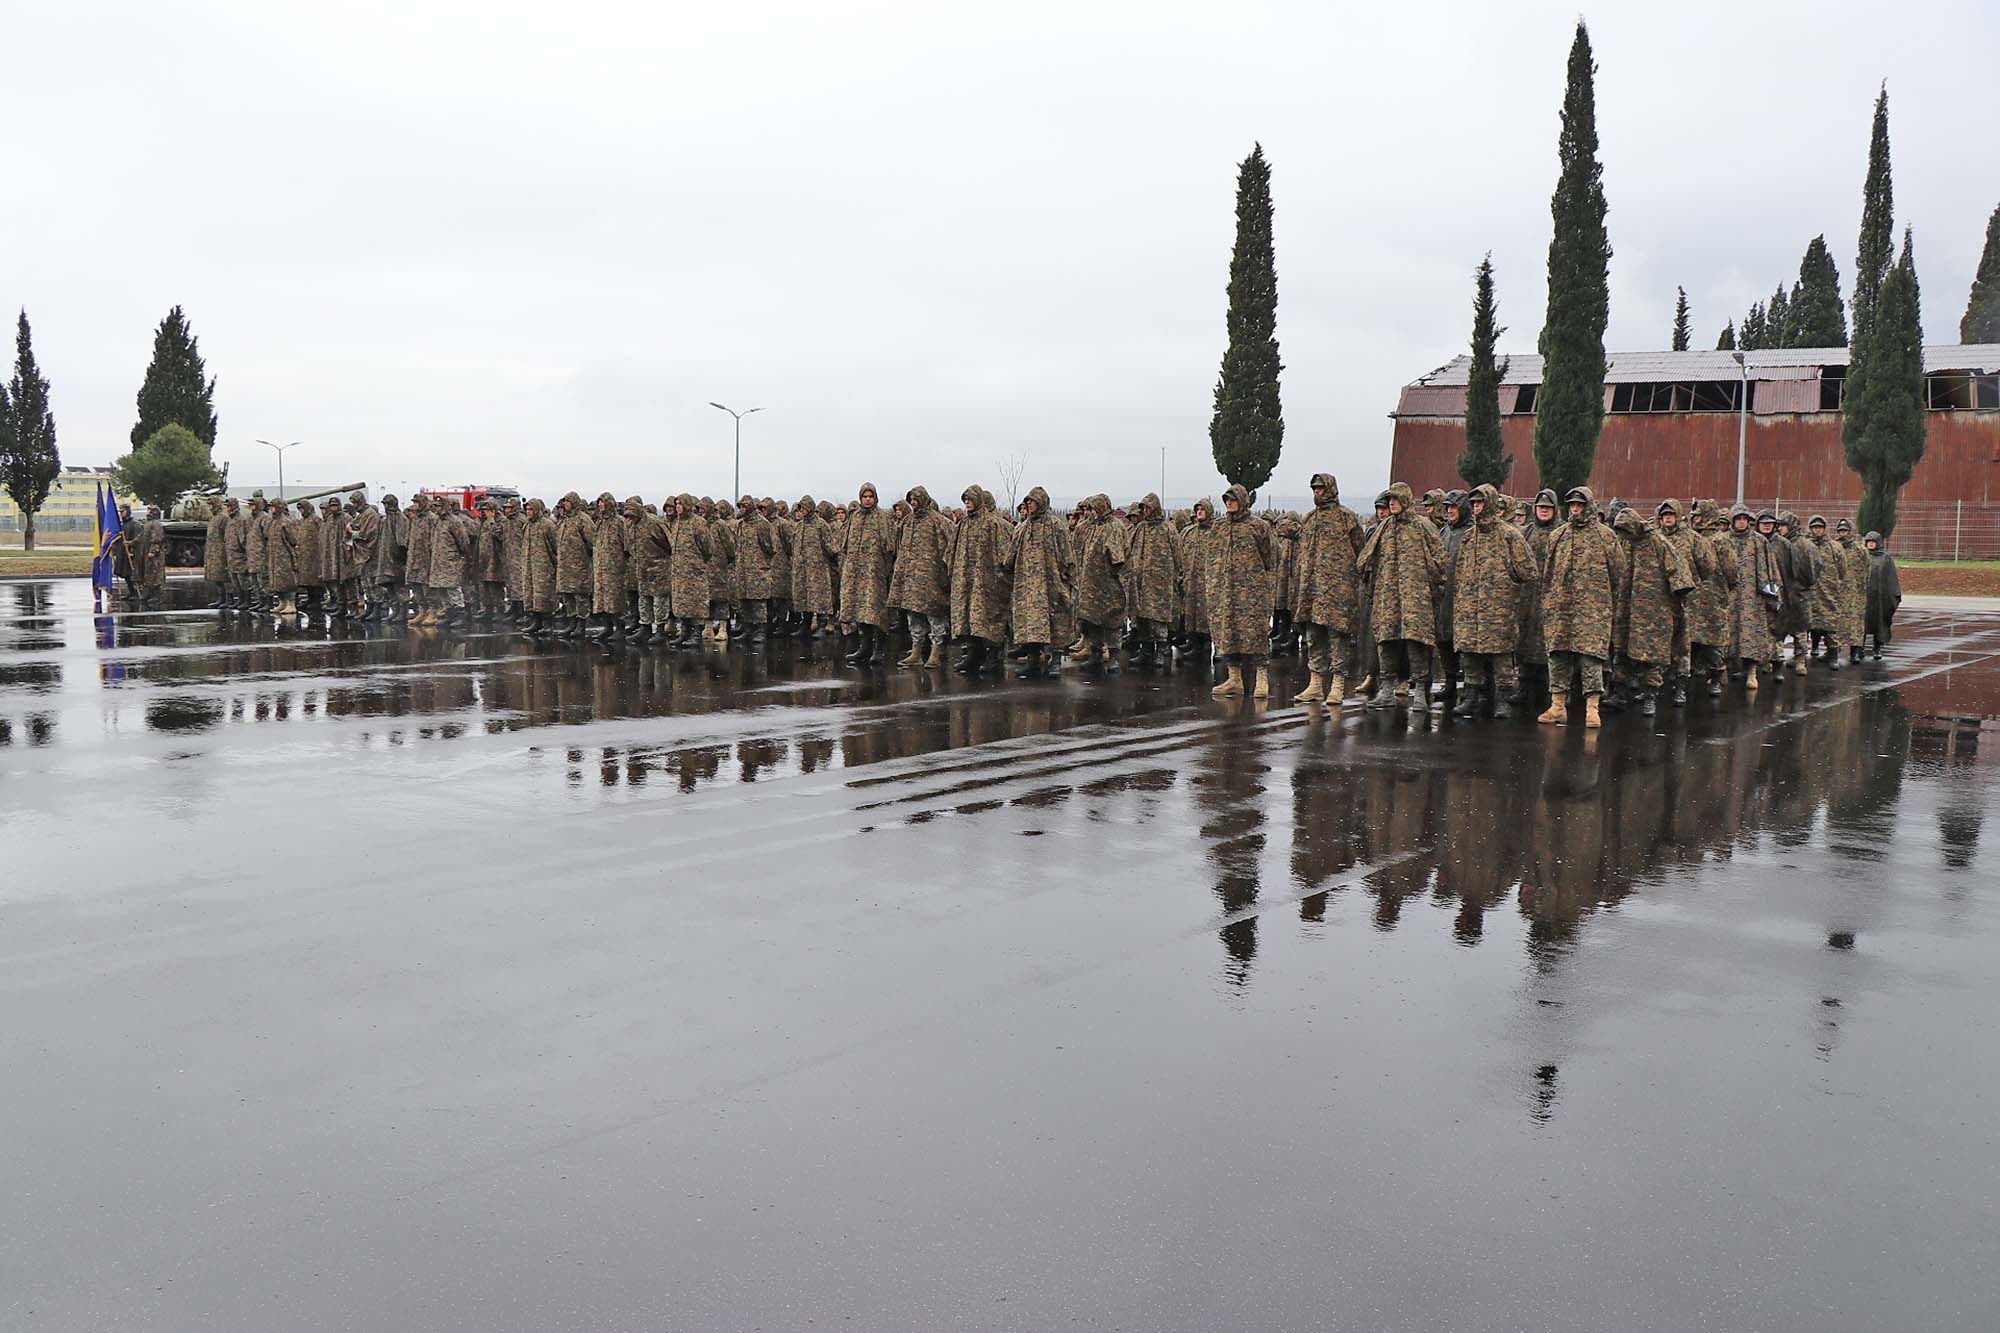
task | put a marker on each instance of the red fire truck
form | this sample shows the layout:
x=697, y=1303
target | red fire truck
x=469, y=495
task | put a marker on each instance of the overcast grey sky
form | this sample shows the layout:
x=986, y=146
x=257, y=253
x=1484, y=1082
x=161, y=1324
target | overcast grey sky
x=529, y=243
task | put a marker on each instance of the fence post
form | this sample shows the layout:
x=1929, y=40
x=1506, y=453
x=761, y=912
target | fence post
x=1957, y=529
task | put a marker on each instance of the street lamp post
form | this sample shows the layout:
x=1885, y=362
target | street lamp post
x=1742, y=421
x=280, y=451
x=736, y=488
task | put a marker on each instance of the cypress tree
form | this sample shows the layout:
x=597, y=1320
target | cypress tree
x=1682, y=332
x=28, y=459
x=1726, y=340
x=1570, y=407
x=1485, y=461
x=177, y=390
x=1248, y=428
x=1818, y=318
x=1982, y=311
x=1893, y=396
x=1877, y=251
x=1778, y=320
x=1867, y=405
x=1752, y=334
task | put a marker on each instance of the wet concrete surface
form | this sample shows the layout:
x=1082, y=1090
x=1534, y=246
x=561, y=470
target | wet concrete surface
x=412, y=981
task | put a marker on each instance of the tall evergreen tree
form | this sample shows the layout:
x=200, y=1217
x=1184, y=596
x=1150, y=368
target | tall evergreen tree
x=1682, y=331
x=177, y=389
x=1982, y=311
x=28, y=458
x=1871, y=395
x=1877, y=252
x=1247, y=431
x=1893, y=396
x=1569, y=410
x=1726, y=340
x=1753, y=334
x=1818, y=317
x=1485, y=460
x=1778, y=319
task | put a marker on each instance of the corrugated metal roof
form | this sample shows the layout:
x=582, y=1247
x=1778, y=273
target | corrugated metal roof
x=1789, y=363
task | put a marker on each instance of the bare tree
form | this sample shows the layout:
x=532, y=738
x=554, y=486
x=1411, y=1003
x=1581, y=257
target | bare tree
x=1011, y=470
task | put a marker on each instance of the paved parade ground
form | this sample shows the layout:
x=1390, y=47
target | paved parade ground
x=403, y=980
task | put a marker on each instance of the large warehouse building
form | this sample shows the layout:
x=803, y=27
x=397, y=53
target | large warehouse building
x=1671, y=427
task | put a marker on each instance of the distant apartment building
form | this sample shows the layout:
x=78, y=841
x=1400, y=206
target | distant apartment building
x=69, y=516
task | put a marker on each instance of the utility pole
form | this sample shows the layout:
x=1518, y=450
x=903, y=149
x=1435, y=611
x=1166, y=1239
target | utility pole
x=1742, y=422
x=280, y=451
x=736, y=486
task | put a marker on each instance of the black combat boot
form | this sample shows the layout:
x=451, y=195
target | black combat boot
x=974, y=658
x=1679, y=697
x=759, y=635
x=1648, y=702
x=1468, y=704
x=858, y=654
x=1503, y=704
x=1032, y=664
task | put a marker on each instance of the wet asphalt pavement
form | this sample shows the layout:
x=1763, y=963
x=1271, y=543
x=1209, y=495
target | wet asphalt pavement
x=412, y=981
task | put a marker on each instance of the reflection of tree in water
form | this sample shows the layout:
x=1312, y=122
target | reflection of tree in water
x=1229, y=791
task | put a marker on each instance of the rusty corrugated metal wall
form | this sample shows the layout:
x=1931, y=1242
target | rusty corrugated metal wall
x=1694, y=453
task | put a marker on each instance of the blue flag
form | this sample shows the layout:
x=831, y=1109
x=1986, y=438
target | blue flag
x=109, y=530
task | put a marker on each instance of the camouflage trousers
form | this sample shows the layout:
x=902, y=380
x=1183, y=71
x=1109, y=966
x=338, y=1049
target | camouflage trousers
x=573, y=603
x=451, y=598
x=1483, y=669
x=655, y=608
x=1405, y=657
x=1566, y=666
x=752, y=610
x=1153, y=631
x=1649, y=674
x=1096, y=635
x=492, y=595
x=1329, y=651
x=923, y=628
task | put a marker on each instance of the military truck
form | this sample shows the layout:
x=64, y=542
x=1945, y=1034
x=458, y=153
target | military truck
x=187, y=524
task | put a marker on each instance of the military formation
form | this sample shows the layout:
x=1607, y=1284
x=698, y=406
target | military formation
x=1471, y=601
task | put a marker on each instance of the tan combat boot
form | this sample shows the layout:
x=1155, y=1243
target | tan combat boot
x=1081, y=651
x=1557, y=711
x=936, y=662
x=1231, y=688
x=1314, y=691
x=1402, y=689
x=722, y=632
x=915, y=656
x=1591, y=721
x=1263, y=690
x=1750, y=680
x=1802, y=666
x=1365, y=684
x=1336, y=689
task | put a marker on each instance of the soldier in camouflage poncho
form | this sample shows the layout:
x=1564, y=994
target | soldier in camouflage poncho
x=1544, y=521
x=691, y=567
x=1580, y=587
x=1038, y=563
x=1492, y=564
x=1697, y=552
x=538, y=566
x=1242, y=561
x=814, y=554
x=1098, y=546
x=979, y=589
x=756, y=559
x=1152, y=582
x=1195, y=542
x=1827, y=607
x=650, y=550
x=1404, y=557
x=1791, y=615
x=573, y=591
x=867, y=560
x=920, y=587
x=1748, y=614
x=1325, y=593
x=1854, y=577
x=1656, y=579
